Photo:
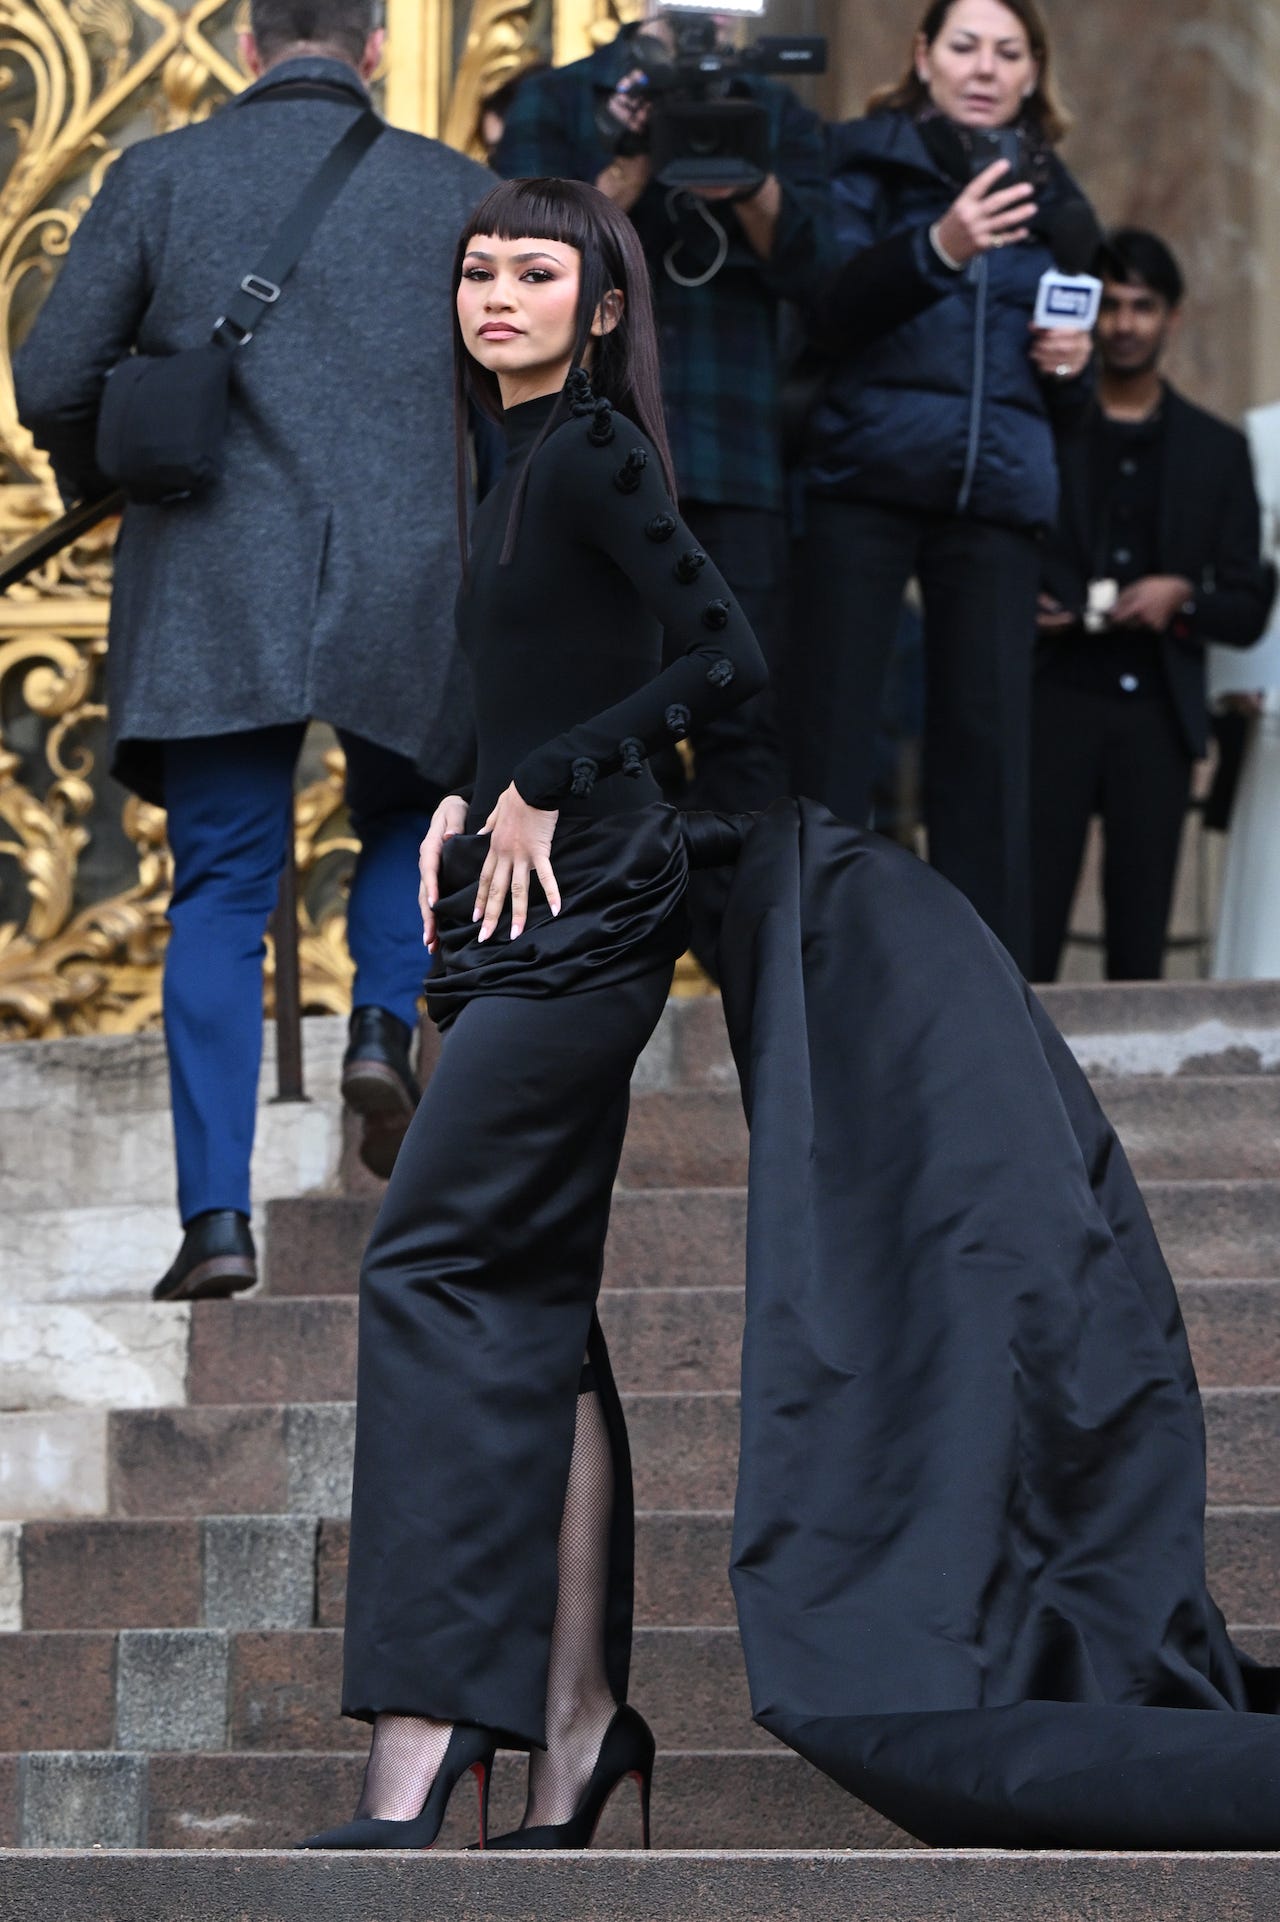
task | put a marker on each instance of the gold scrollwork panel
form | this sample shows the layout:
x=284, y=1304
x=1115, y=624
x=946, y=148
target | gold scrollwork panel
x=84, y=870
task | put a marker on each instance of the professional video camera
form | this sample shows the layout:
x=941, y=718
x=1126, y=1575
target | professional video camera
x=697, y=131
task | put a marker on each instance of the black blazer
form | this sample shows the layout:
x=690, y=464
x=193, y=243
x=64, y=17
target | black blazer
x=1210, y=531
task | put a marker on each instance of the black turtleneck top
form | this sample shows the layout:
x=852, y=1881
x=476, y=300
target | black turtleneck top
x=566, y=642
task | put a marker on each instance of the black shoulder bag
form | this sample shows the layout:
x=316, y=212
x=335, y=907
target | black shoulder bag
x=163, y=418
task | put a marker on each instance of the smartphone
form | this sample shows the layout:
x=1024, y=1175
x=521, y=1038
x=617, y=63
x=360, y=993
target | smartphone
x=989, y=144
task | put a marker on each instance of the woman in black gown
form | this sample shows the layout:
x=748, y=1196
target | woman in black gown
x=968, y=1551
x=490, y=1575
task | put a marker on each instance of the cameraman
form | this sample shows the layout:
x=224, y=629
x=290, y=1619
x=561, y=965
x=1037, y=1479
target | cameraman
x=722, y=268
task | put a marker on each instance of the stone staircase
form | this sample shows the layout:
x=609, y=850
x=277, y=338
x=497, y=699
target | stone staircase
x=175, y=1484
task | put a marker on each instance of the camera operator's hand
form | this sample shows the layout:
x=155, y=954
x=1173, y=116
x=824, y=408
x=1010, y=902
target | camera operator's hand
x=1152, y=602
x=1061, y=353
x=986, y=215
x=628, y=174
x=625, y=179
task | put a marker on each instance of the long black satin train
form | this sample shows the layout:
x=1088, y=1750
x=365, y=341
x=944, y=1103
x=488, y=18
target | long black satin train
x=968, y=1552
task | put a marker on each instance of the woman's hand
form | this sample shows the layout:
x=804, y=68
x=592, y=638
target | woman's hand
x=450, y=818
x=986, y=216
x=1061, y=353
x=519, y=845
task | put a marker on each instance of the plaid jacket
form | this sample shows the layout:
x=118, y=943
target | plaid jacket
x=721, y=371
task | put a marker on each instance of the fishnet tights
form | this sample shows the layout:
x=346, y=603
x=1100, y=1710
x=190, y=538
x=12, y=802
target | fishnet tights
x=407, y=1749
x=580, y=1705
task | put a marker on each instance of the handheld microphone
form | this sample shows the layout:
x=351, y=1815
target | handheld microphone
x=1073, y=236
x=1070, y=294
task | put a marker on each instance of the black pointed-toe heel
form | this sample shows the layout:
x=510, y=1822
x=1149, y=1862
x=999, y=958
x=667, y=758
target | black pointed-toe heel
x=627, y=1750
x=469, y=1748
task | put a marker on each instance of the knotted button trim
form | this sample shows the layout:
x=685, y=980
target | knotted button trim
x=678, y=719
x=602, y=429
x=716, y=614
x=660, y=528
x=627, y=478
x=632, y=752
x=721, y=671
x=585, y=772
x=578, y=387
x=690, y=565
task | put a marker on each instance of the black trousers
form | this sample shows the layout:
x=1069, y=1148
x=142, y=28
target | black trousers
x=477, y=1307
x=1125, y=758
x=979, y=583
x=740, y=765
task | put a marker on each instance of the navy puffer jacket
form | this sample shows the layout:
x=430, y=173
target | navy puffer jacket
x=932, y=401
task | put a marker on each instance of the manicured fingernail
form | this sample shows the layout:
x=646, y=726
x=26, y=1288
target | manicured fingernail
x=556, y=909
x=483, y=935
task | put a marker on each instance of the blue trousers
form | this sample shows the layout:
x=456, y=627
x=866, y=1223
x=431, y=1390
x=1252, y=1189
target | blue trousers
x=228, y=798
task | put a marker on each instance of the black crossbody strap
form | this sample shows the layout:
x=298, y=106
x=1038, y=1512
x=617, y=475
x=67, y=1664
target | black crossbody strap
x=259, y=291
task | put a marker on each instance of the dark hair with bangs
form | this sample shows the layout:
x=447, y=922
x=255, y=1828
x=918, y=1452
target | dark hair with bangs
x=624, y=362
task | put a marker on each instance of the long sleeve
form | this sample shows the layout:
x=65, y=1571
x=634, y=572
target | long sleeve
x=1233, y=599
x=88, y=323
x=803, y=243
x=536, y=141
x=881, y=283
x=609, y=479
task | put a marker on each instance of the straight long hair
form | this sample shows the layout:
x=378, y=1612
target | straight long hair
x=1044, y=109
x=624, y=362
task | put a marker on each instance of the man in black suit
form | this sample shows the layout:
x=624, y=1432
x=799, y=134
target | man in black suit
x=1156, y=553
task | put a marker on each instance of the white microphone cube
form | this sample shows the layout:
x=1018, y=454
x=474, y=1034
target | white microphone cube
x=1069, y=301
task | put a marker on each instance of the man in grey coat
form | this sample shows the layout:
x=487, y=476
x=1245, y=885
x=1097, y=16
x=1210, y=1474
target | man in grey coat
x=315, y=579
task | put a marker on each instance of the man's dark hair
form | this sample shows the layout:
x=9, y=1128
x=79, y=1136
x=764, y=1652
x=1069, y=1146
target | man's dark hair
x=344, y=25
x=1135, y=257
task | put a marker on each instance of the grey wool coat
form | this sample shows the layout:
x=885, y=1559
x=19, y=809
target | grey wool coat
x=316, y=579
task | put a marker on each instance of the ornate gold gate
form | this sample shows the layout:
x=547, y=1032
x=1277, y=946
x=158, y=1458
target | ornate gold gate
x=84, y=872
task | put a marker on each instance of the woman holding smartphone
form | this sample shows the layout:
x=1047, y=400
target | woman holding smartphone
x=931, y=452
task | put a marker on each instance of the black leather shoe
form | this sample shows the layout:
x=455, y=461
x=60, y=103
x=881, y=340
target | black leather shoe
x=378, y=1084
x=216, y=1258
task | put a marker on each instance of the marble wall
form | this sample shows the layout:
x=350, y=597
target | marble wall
x=1177, y=106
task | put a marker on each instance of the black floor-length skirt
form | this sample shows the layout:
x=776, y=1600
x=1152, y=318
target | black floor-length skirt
x=968, y=1552
x=478, y=1291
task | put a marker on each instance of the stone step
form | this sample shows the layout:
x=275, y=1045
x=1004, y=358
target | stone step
x=289, y=1571
x=305, y=1349
x=295, y=1458
x=661, y=1339
x=213, y=1689
x=98, y=1160
x=268, y=1349
x=1172, y=1128
x=257, y=1572
x=763, y=1798
x=93, y=1354
x=1169, y=1027
x=1212, y=1229
x=846, y=1882
x=675, y=1237
x=658, y=1238
x=1189, y=1128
